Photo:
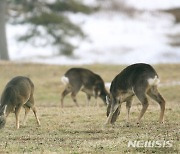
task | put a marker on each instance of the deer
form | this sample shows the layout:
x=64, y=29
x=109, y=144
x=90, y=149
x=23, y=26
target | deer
x=81, y=79
x=17, y=93
x=140, y=80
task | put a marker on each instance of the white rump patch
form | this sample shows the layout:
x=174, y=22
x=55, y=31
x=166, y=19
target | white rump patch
x=155, y=81
x=65, y=80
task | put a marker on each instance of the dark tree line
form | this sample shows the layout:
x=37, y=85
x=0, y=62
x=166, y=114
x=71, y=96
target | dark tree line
x=3, y=42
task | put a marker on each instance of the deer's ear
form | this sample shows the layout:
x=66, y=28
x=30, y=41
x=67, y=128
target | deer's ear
x=107, y=100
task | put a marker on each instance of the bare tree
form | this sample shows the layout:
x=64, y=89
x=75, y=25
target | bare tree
x=3, y=42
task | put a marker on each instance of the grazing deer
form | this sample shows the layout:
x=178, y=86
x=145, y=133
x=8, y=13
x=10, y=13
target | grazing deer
x=77, y=79
x=137, y=79
x=17, y=93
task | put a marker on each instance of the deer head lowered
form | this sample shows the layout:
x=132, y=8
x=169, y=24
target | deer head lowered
x=139, y=80
x=17, y=93
x=77, y=79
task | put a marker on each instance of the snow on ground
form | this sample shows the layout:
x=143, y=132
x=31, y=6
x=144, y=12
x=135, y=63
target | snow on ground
x=154, y=4
x=113, y=38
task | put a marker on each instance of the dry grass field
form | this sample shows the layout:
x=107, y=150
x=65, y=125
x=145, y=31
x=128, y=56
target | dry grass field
x=81, y=129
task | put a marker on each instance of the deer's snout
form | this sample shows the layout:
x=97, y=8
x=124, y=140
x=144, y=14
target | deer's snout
x=2, y=121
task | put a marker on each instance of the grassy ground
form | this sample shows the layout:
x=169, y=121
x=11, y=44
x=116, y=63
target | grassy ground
x=80, y=130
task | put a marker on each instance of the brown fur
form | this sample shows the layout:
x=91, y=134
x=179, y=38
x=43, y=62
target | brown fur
x=80, y=79
x=139, y=80
x=17, y=93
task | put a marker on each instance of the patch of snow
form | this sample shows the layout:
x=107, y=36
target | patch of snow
x=154, y=4
x=113, y=38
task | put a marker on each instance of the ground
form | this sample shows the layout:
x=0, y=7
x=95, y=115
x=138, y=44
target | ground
x=81, y=129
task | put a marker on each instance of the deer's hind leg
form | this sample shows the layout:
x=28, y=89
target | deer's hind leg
x=128, y=107
x=27, y=109
x=75, y=89
x=34, y=109
x=155, y=95
x=35, y=113
x=17, y=111
x=73, y=96
x=28, y=105
x=66, y=91
x=141, y=95
x=88, y=99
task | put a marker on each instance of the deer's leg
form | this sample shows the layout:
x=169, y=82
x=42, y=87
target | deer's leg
x=34, y=109
x=96, y=102
x=75, y=89
x=88, y=99
x=35, y=113
x=73, y=95
x=17, y=111
x=64, y=93
x=128, y=107
x=108, y=109
x=141, y=95
x=30, y=104
x=27, y=109
x=96, y=95
x=155, y=95
x=145, y=105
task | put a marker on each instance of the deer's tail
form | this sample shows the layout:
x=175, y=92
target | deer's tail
x=154, y=81
x=64, y=80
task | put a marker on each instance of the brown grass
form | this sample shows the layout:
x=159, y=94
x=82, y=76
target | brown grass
x=81, y=130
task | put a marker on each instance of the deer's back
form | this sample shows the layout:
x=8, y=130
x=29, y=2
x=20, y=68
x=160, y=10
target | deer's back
x=83, y=77
x=16, y=89
x=21, y=84
x=133, y=75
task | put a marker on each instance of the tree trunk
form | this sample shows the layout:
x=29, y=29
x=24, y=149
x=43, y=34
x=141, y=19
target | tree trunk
x=3, y=42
